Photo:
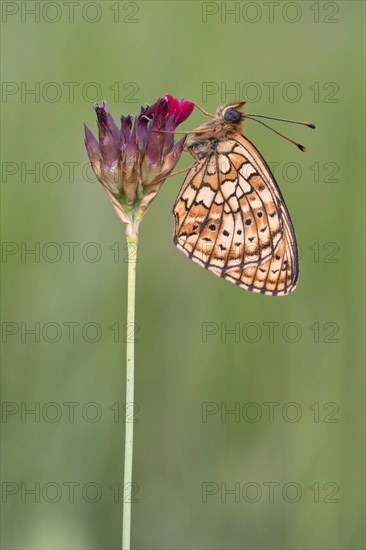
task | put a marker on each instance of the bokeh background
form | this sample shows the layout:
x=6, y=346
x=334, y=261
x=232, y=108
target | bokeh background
x=298, y=395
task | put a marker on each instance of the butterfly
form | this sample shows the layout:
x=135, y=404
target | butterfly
x=230, y=215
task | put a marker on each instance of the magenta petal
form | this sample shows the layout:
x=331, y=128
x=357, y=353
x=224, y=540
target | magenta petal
x=186, y=108
x=169, y=136
x=150, y=110
x=182, y=107
x=158, y=109
x=178, y=147
x=173, y=104
x=126, y=127
x=162, y=111
x=131, y=151
x=109, y=136
x=105, y=118
x=142, y=132
x=92, y=146
x=154, y=146
x=114, y=128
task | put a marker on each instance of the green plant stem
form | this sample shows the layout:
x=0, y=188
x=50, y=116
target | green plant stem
x=132, y=243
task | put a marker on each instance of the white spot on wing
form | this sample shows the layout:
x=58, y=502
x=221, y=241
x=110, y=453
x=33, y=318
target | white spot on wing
x=247, y=170
x=246, y=187
x=188, y=196
x=225, y=146
x=211, y=166
x=219, y=199
x=228, y=187
x=239, y=192
x=206, y=195
x=234, y=204
x=224, y=164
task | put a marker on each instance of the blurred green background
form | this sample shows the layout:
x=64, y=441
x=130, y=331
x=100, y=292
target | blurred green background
x=293, y=452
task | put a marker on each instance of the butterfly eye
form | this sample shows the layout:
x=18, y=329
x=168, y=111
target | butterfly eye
x=232, y=115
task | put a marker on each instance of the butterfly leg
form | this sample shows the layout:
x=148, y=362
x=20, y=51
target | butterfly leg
x=196, y=131
x=203, y=111
x=178, y=172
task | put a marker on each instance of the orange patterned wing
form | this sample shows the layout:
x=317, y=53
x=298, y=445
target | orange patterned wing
x=231, y=218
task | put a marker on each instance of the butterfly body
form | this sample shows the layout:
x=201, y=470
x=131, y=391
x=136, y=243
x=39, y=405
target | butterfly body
x=217, y=129
x=230, y=216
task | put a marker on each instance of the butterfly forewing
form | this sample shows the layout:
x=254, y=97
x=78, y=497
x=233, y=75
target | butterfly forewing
x=231, y=218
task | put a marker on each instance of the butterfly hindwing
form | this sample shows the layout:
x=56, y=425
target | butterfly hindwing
x=231, y=218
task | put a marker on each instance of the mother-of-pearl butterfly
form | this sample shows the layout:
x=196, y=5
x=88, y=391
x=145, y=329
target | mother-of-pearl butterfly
x=230, y=215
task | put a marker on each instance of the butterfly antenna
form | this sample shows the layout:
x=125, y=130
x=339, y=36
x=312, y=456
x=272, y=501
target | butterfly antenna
x=301, y=147
x=308, y=124
x=203, y=111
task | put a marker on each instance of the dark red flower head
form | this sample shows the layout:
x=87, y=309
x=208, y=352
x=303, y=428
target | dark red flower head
x=133, y=161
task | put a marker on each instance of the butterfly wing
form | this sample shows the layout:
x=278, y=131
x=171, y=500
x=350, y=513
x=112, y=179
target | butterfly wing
x=231, y=218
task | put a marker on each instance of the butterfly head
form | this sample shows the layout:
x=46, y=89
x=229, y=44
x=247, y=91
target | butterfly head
x=226, y=122
x=232, y=113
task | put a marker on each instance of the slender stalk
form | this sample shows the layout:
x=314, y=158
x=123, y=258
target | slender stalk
x=132, y=243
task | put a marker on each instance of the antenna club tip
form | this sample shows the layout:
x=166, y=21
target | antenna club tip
x=301, y=147
x=311, y=125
